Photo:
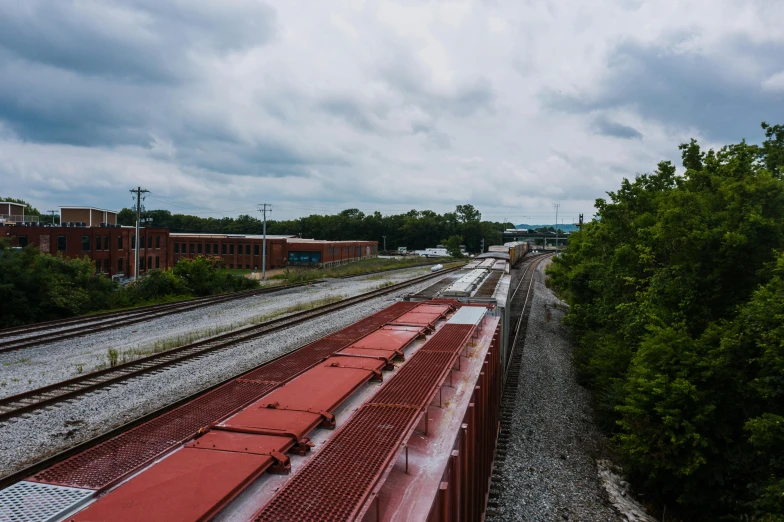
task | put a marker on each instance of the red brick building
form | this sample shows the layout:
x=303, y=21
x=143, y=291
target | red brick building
x=312, y=252
x=111, y=248
x=93, y=232
x=236, y=250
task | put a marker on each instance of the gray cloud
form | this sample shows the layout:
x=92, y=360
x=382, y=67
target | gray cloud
x=142, y=40
x=607, y=127
x=688, y=88
x=376, y=106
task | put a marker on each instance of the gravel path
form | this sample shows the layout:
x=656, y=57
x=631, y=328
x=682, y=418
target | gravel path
x=38, y=366
x=38, y=435
x=550, y=471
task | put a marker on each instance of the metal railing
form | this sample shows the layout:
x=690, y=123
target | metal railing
x=12, y=218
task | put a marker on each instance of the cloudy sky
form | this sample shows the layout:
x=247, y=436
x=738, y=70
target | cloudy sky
x=318, y=106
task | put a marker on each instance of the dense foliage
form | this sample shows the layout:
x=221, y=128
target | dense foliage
x=677, y=303
x=38, y=287
x=414, y=229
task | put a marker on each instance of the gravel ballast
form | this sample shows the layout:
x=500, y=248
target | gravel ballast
x=550, y=471
x=38, y=366
x=36, y=436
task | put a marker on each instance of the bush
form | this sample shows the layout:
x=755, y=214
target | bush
x=677, y=305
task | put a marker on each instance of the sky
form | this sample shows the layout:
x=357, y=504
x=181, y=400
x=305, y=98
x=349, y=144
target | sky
x=318, y=106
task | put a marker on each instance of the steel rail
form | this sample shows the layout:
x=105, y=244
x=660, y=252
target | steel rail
x=135, y=318
x=132, y=312
x=16, y=405
x=508, y=399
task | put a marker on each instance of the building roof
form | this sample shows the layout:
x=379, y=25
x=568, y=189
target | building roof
x=323, y=241
x=226, y=236
x=89, y=208
x=12, y=203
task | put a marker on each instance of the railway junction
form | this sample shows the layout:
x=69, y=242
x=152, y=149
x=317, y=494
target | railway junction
x=400, y=407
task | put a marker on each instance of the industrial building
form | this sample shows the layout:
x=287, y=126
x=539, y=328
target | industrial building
x=94, y=232
x=11, y=212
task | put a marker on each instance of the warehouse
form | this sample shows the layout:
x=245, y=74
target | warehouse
x=312, y=252
x=236, y=250
x=109, y=246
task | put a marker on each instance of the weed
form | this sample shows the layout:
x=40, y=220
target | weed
x=79, y=368
x=20, y=361
x=3, y=384
x=112, y=355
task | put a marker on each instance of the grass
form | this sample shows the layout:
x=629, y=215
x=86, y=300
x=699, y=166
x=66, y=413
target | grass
x=296, y=275
x=198, y=335
x=237, y=271
x=19, y=361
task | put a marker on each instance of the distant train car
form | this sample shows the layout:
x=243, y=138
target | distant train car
x=515, y=250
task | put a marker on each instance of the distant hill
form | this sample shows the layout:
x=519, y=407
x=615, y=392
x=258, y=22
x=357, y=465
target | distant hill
x=566, y=227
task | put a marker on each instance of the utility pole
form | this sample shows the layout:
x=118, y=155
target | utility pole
x=556, y=206
x=138, y=191
x=482, y=251
x=263, y=207
x=385, y=244
x=52, y=213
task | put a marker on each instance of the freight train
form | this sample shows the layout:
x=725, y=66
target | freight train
x=515, y=250
x=393, y=418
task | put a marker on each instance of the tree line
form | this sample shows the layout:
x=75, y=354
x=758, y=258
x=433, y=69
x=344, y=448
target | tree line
x=37, y=287
x=414, y=230
x=676, y=294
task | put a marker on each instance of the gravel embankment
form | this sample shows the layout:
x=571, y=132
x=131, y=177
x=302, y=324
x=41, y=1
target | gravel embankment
x=550, y=471
x=30, y=439
x=41, y=365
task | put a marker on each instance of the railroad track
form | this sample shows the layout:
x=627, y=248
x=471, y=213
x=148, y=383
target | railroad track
x=512, y=377
x=27, y=336
x=12, y=407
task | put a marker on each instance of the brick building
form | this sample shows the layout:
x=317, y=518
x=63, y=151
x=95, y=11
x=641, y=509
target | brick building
x=313, y=252
x=93, y=232
x=236, y=250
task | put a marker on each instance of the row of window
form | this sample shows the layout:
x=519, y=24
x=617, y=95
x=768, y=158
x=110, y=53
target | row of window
x=145, y=263
x=207, y=248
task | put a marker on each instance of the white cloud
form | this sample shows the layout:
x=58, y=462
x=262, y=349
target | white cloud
x=317, y=106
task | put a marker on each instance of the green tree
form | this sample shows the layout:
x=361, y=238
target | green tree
x=677, y=307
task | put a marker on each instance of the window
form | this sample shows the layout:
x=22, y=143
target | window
x=98, y=243
x=97, y=266
x=85, y=243
x=106, y=265
x=141, y=263
x=215, y=248
x=193, y=247
x=199, y=248
x=223, y=249
x=247, y=267
x=157, y=241
x=22, y=241
x=231, y=249
x=176, y=248
x=157, y=262
x=231, y=266
x=133, y=242
x=141, y=243
x=119, y=266
x=149, y=241
x=247, y=250
x=149, y=262
x=183, y=248
x=61, y=243
x=255, y=250
x=106, y=243
x=119, y=242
